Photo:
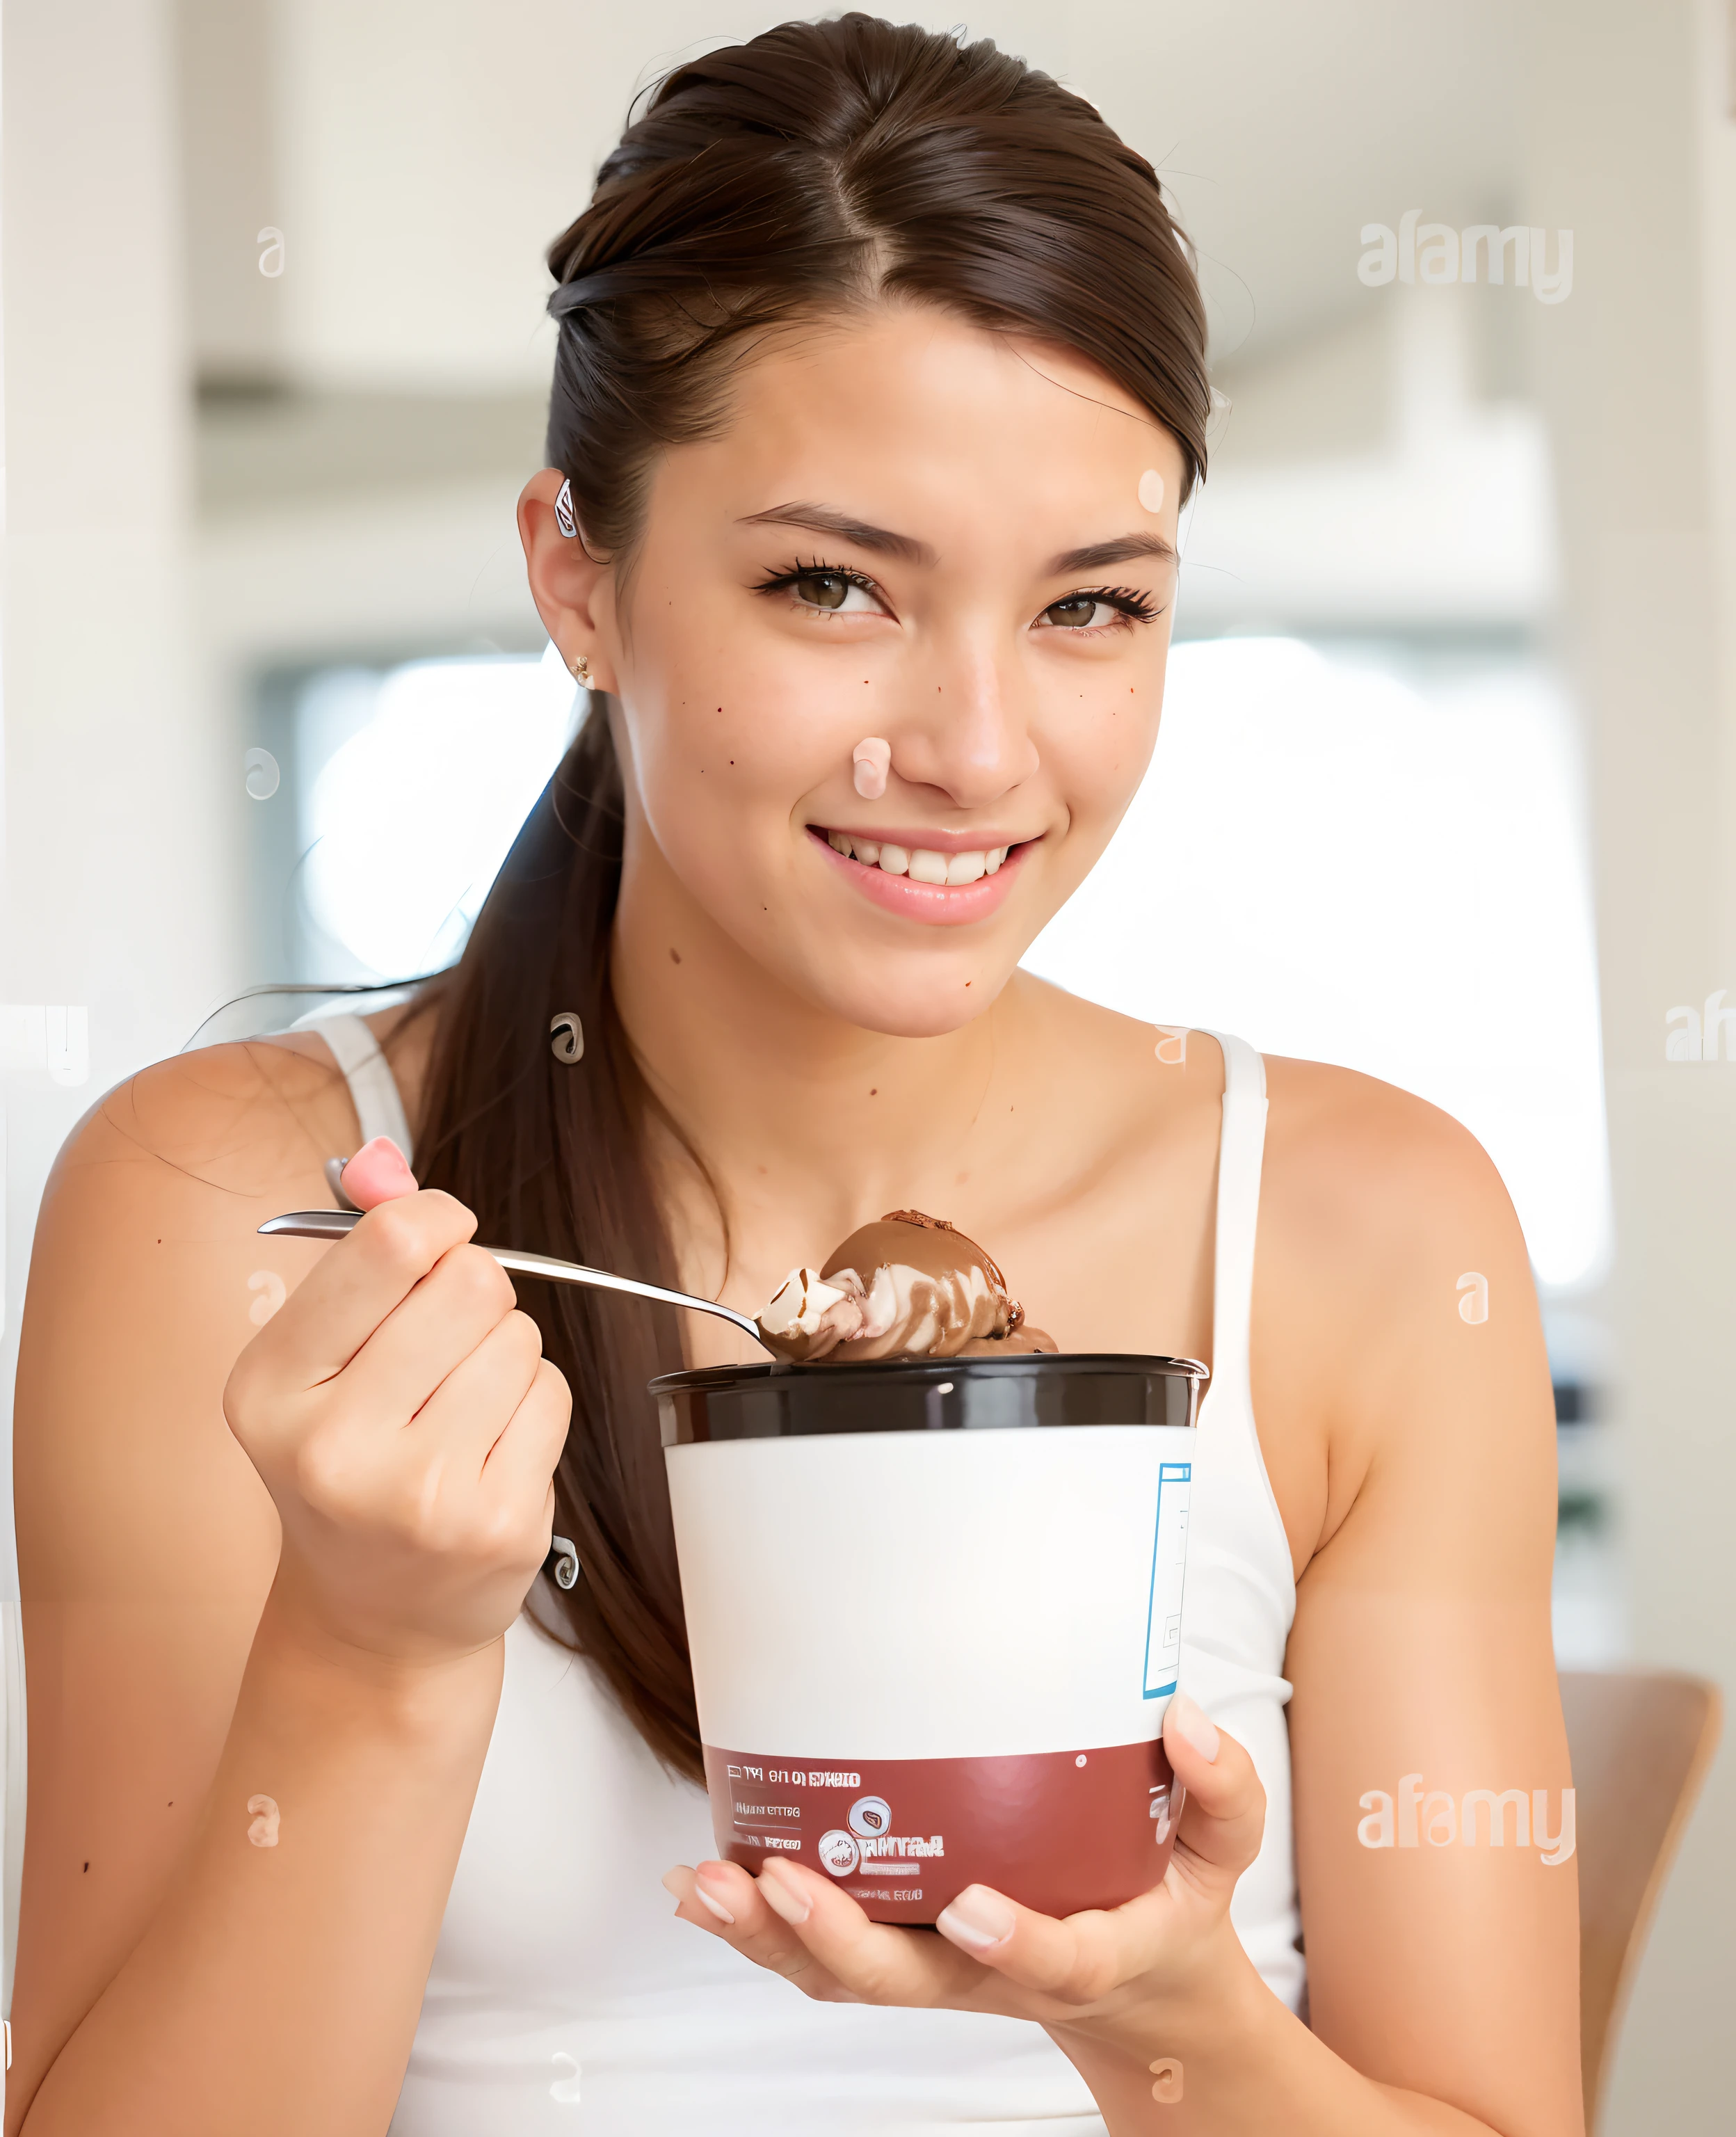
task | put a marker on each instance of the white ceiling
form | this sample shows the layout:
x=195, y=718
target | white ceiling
x=423, y=152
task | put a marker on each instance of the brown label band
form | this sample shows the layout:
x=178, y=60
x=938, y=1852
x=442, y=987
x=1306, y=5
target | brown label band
x=1058, y=1831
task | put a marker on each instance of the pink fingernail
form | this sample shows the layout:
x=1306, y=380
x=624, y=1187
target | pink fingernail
x=977, y=1919
x=784, y=1895
x=1191, y=1724
x=377, y=1173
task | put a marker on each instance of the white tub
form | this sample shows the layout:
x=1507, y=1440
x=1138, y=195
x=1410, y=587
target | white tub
x=935, y=1611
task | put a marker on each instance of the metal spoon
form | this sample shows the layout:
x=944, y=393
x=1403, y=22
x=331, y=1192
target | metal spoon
x=335, y=1223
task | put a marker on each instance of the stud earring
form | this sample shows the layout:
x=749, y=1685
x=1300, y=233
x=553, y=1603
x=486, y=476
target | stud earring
x=581, y=672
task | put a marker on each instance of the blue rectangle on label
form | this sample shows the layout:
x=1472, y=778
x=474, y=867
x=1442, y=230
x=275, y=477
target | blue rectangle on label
x=1168, y=1564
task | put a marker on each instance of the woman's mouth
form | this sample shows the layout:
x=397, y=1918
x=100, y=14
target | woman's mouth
x=925, y=882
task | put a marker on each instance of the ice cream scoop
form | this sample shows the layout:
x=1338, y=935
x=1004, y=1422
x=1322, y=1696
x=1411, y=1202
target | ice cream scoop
x=910, y=1286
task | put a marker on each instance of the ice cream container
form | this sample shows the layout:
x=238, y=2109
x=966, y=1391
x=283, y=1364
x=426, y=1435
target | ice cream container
x=934, y=1609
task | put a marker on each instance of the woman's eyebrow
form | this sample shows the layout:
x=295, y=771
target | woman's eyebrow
x=1120, y=551
x=822, y=519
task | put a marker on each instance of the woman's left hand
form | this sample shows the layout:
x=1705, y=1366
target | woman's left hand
x=1109, y=1973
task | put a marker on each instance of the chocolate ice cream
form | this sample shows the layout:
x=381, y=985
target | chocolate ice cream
x=910, y=1286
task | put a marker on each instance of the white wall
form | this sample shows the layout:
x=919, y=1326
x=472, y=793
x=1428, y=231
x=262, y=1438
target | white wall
x=1636, y=386
x=116, y=775
x=118, y=861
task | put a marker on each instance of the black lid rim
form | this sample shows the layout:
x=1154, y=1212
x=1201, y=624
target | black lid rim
x=919, y=1371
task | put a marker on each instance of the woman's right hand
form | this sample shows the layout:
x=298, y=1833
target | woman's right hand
x=402, y=1413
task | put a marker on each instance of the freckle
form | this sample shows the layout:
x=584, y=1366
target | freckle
x=875, y=1092
x=675, y=955
x=87, y=1865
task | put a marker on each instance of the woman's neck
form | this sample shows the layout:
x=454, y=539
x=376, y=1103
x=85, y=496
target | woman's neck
x=794, y=1110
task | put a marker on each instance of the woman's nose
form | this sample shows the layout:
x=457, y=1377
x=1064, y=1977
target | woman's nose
x=967, y=732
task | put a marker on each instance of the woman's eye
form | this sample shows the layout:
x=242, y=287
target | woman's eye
x=1081, y=612
x=833, y=590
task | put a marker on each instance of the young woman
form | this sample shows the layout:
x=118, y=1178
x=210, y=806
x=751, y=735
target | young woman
x=881, y=381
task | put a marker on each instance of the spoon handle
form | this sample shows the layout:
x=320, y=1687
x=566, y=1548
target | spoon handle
x=335, y=1223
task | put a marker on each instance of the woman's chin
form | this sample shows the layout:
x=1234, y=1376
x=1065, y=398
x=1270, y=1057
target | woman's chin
x=927, y=1006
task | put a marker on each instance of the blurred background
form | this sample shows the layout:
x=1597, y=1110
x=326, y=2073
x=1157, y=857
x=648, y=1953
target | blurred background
x=1447, y=786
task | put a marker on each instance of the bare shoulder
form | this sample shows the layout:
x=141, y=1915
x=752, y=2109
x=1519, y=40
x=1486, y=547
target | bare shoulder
x=1367, y=1166
x=1395, y=1315
x=149, y=1276
x=1353, y=1168
x=1396, y=1319
x=1380, y=1214
x=1150, y=1087
x=225, y=1121
x=241, y=1122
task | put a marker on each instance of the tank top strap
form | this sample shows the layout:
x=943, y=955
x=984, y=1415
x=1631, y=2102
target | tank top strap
x=1241, y=1149
x=373, y=1088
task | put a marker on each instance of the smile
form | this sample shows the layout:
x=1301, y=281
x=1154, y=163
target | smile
x=925, y=882
x=921, y=863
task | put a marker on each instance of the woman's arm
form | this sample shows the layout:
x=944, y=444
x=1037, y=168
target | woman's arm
x=192, y=1958
x=1422, y=1653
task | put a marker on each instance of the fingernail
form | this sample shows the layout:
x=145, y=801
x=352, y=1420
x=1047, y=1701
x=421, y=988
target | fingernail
x=377, y=1173
x=671, y=1881
x=977, y=1919
x=1190, y=1723
x=717, y=1907
x=784, y=1895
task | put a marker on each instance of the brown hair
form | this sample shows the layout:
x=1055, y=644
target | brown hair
x=817, y=168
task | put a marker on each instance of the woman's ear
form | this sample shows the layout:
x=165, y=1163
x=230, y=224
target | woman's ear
x=573, y=591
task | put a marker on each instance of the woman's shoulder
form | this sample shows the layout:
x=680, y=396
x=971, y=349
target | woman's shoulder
x=1374, y=1169
x=1366, y=1188
x=255, y=1118
x=147, y=1277
x=217, y=1125
x=1339, y=1144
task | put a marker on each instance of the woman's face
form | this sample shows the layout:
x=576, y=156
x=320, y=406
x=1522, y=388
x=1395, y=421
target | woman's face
x=914, y=531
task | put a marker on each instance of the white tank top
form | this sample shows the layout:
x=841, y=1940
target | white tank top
x=564, y=1996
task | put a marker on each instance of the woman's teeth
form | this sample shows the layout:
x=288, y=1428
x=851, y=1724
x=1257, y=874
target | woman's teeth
x=921, y=863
